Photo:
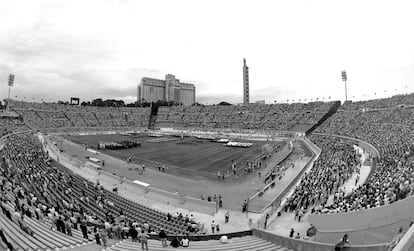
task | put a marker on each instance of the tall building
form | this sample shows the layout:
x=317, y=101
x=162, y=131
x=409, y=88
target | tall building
x=170, y=89
x=245, y=83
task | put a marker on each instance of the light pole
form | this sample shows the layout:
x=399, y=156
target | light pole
x=345, y=78
x=11, y=83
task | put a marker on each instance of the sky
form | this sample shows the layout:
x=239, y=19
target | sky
x=295, y=49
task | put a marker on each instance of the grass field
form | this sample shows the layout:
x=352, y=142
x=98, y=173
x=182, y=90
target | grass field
x=188, y=156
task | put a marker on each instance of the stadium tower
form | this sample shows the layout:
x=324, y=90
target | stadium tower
x=245, y=83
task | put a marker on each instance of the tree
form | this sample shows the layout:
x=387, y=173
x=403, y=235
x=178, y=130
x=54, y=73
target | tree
x=97, y=102
x=84, y=103
x=224, y=103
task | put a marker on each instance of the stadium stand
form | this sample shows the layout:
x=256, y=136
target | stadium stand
x=11, y=124
x=388, y=125
x=335, y=165
x=282, y=117
x=64, y=188
x=49, y=116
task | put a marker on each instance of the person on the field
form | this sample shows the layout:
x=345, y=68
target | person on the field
x=213, y=226
x=226, y=217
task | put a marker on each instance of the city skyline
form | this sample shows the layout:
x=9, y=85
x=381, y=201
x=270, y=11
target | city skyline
x=296, y=49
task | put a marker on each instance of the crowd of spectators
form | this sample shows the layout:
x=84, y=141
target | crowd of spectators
x=394, y=101
x=69, y=117
x=390, y=128
x=282, y=117
x=335, y=165
x=11, y=124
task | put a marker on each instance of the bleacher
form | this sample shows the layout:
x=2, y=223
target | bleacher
x=50, y=116
x=43, y=238
x=57, y=173
x=11, y=124
x=388, y=125
x=281, y=117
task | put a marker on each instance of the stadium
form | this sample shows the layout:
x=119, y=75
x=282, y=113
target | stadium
x=54, y=157
x=103, y=149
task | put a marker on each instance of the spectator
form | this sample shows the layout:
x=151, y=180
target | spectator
x=104, y=235
x=143, y=237
x=163, y=238
x=224, y=239
x=185, y=242
x=291, y=233
x=97, y=236
x=342, y=244
x=84, y=227
x=175, y=243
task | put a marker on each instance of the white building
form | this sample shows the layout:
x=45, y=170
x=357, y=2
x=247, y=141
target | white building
x=170, y=89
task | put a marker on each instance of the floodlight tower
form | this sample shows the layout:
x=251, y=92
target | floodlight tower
x=345, y=78
x=11, y=83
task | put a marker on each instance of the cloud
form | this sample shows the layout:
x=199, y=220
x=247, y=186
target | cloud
x=102, y=48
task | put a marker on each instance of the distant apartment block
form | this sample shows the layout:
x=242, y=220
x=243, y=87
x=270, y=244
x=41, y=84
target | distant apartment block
x=170, y=89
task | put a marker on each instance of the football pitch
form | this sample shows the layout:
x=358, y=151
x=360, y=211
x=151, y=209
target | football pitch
x=188, y=157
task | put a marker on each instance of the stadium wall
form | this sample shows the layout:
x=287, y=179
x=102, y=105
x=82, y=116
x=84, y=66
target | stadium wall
x=374, y=223
x=304, y=245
